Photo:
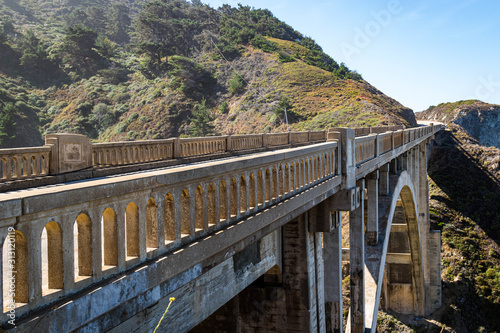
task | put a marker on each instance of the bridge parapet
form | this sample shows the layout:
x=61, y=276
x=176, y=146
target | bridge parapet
x=23, y=163
x=50, y=159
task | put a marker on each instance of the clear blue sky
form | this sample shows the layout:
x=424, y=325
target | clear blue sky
x=421, y=52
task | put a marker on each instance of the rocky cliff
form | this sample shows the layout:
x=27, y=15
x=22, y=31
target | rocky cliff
x=480, y=120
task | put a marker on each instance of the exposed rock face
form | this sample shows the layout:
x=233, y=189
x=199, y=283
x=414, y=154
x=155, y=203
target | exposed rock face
x=484, y=125
x=480, y=120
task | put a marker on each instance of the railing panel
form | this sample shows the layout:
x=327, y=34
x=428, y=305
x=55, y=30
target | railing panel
x=202, y=146
x=398, y=138
x=365, y=148
x=384, y=142
x=298, y=137
x=129, y=152
x=276, y=139
x=23, y=163
x=318, y=135
x=242, y=142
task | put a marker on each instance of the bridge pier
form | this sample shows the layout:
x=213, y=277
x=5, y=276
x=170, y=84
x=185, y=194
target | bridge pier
x=332, y=257
x=357, y=262
x=372, y=208
x=288, y=301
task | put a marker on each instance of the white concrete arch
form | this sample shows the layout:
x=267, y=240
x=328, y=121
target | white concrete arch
x=401, y=186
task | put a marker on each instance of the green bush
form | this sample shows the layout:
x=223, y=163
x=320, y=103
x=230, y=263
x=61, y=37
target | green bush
x=491, y=273
x=236, y=84
x=224, y=107
x=263, y=44
x=284, y=57
x=133, y=117
x=121, y=127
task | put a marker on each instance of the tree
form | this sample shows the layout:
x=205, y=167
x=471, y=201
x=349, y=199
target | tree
x=101, y=117
x=8, y=25
x=7, y=125
x=310, y=43
x=105, y=47
x=96, y=19
x=284, y=110
x=34, y=55
x=3, y=36
x=78, y=49
x=119, y=24
x=236, y=84
x=200, y=122
x=76, y=17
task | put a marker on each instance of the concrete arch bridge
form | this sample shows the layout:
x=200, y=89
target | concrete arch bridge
x=244, y=231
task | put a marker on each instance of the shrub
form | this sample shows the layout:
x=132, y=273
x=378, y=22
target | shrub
x=284, y=57
x=491, y=273
x=121, y=127
x=133, y=117
x=263, y=44
x=224, y=107
x=236, y=84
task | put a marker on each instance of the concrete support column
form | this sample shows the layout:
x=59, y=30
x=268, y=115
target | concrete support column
x=416, y=171
x=384, y=180
x=404, y=161
x=95, y=217
x=409, y=162
x=332, y=258
x=357, y=263
x=160, y=216
x=394, y=166
x=67, y=224
x=293, y=304
x=320, y=282
x=34, y=248
x=121, y=237
x=372, y=208
x=423, y=184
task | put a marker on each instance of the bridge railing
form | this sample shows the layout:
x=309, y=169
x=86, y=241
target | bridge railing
x=58, y=155
x=23, y=163
x=129, y=152
x=73, y=235
x=62, y=151
x=370, y=146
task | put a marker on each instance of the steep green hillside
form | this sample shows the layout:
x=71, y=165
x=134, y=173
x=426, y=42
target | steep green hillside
x=465, y=205
x=141, y=70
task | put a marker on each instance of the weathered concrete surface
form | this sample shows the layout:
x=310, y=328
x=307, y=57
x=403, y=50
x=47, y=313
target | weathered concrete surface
x=70, y=152
x=202, y=296
x=291, y=305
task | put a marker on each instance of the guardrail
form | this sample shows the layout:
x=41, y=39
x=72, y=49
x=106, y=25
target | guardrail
x=120, y=153
x=71, y=152
x=23, y=163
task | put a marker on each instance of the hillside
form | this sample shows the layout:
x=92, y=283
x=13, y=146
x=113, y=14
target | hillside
x=143, y=70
